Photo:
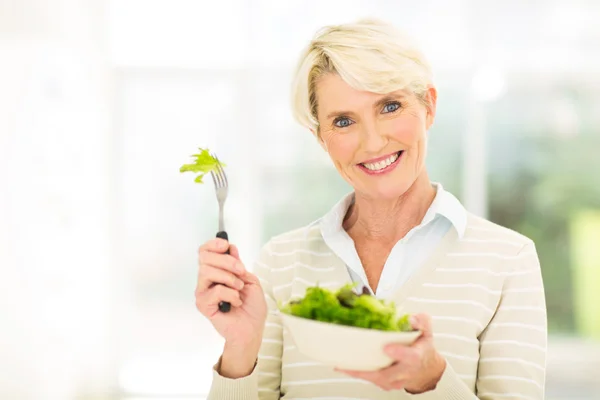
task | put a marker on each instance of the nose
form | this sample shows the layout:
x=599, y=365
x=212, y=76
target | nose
x=372, y=137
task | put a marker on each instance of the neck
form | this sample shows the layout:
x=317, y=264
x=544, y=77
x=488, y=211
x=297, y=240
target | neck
x=390, y=219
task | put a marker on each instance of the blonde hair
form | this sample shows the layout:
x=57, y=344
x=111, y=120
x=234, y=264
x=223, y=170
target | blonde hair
x=368, y=54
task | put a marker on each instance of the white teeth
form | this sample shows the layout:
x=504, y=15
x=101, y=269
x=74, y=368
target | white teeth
x=382, y=164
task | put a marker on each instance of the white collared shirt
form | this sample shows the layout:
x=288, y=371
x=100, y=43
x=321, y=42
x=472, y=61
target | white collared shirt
x=409, y=253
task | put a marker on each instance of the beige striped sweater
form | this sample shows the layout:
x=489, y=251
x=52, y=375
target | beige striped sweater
x=484, y=293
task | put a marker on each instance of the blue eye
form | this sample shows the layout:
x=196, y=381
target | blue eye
x=342, y=122
x=391, y=107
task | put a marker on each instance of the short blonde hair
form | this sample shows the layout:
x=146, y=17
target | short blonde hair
x=368, y=54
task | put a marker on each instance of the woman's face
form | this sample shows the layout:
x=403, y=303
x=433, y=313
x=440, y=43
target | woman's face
x=378, y=143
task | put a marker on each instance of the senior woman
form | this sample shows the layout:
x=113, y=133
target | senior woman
x=474, y=288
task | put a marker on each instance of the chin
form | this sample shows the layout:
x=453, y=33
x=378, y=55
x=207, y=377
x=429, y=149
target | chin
x=385, y=191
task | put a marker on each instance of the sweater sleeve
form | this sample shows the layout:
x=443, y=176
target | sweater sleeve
x=512, y=360
x=265, y=380
x=450, y=387
x=513, y=345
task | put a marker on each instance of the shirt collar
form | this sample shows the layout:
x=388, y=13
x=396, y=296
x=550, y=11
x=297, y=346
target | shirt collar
x=444, y=204
x=448, y=206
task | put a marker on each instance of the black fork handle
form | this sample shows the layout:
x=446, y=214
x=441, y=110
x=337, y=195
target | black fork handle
x=224, y=306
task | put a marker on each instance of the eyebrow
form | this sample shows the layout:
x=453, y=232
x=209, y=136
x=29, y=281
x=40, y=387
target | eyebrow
x=377, y=104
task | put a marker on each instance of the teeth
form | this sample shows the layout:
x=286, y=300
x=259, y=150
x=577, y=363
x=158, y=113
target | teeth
x=381, y=164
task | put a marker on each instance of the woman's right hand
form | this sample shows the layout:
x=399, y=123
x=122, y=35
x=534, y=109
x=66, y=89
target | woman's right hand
x=223, y=277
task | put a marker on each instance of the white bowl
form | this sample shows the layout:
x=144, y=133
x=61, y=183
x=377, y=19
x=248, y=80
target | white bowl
x=345, y=347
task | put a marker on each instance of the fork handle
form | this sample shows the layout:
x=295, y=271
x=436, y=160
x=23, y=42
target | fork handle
x=223, y=235
x=224, y=306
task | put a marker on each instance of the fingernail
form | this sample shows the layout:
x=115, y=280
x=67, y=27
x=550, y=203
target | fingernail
x=240, y=285
x=413, y=320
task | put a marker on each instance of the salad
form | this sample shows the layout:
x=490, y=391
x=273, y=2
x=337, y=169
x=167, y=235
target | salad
x=345, y=307
x=202, y=164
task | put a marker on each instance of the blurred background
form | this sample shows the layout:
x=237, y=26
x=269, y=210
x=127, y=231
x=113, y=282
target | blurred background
x=101, y=101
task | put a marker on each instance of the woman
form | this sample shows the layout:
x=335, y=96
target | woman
x=474, y=288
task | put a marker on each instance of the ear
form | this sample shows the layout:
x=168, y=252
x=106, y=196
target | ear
x=431, y=98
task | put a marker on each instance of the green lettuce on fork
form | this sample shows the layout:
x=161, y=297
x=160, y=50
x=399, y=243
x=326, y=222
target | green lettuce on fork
x=345, y=307
x=203, y=163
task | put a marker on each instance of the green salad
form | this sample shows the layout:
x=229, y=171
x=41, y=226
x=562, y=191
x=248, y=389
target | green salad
x=202, y=164
x=345, y=307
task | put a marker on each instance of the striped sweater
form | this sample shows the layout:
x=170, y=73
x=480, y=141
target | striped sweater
x=483, y=291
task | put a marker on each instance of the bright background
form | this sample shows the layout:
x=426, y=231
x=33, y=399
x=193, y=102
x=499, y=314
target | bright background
x=101, y=102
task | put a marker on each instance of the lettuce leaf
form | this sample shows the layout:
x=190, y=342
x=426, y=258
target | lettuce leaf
x=345, y=307
x=203, y=163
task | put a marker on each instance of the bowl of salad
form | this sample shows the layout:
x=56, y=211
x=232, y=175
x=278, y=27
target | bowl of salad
x=345, y=329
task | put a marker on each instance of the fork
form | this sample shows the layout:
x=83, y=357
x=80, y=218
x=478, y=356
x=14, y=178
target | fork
x=221, y=187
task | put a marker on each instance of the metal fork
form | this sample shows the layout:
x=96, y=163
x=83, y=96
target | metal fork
x=221, y=188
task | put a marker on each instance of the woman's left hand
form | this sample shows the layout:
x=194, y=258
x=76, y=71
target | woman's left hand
x=417, y=368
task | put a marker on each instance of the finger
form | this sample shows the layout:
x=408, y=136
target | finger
x=398, y=385
x=208, y=302
x=396, y=351
x=216, y=245
x=404, y=355
x=373, y=377
x=366, y=375
x=221, y=293
x=396, y=372
x=208, y=276
x=234, y=252
x=249, y=277
x=222, y=261
x=422, y=322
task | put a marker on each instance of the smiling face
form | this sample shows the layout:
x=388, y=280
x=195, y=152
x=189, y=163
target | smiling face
x=377, y=142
